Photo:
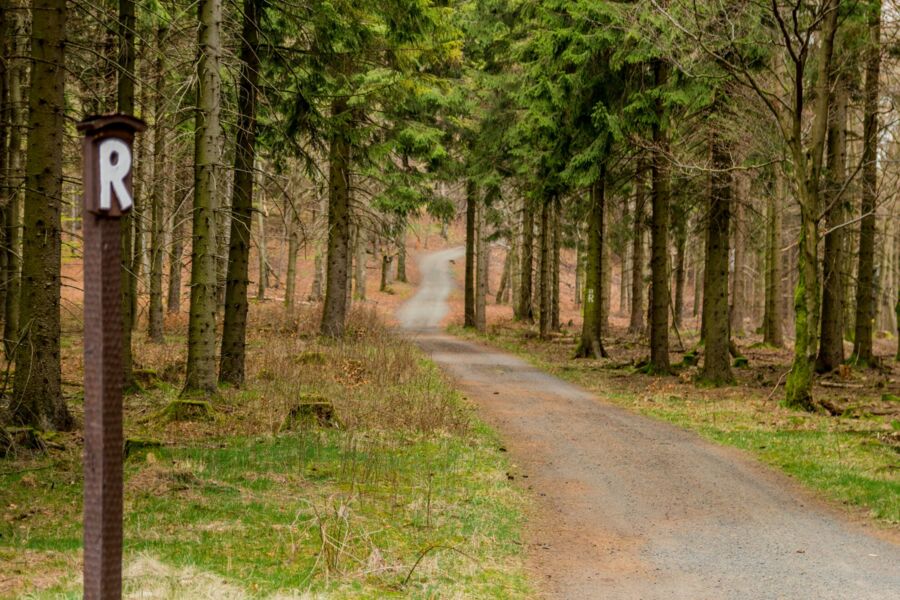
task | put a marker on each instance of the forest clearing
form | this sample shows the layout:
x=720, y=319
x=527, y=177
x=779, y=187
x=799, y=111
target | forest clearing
x=449, y=299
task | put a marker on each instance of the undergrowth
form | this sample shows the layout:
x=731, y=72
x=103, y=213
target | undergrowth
x=405, y=496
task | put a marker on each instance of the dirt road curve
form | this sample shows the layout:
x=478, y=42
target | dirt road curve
x=633, y=508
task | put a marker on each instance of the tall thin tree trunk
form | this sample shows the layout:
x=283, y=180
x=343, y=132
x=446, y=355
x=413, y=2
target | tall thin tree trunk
x=578, y=267
x=591, y=343
x=125, y=104
x=546, y=269
x=636, y=324
x=831, y=340
x=360, y=263
x=471, y=242
x=773, y=319
x=738, y=293
x=716, y=363
x=334, y=313
x=290, y=286
x=5, y=124
x=12, y=215
x=659, y=288
x=157, y=214
x=865, y=289
x=626, y=257
x=201, y=361
x=37, y=397
x=503, y=290
x=234, y=326
x=482, y=256
x=524, y=304
x=173, y=298
x=320, y=220
x=262, y=247
x=798, y=385
x=555, y=257
x=401, y=251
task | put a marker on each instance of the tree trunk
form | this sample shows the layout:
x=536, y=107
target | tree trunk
x=716, y=363
x=865, y=288
x=798, y=386
x=831, y=341
x=201, y=361
x=157, y=215
x=591, y=343
x=636, y=324
x=773, y=326
x=37, y=399
x=360, y=263
x=738, y=293
x=503, y=290
x=5, y=124
x=234, y=326
x=624, y=266
x=173, y=300
x=555, y=250
x=262, y=249
x=482, y=256
x=659, y=288
x=471, y=233
x=546, y=269
x=125, y=105
x=316, y=293
x=680, y=243
x=334, y=313
x=290, y=286
x=12, y=215
x=401, y=251
x=386, y=260
x=578, y=260
x=525, y=311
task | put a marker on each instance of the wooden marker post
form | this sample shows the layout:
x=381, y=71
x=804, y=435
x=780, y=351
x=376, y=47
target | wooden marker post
x=107, y=163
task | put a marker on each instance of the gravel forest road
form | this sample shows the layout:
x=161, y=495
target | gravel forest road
x=628, y=507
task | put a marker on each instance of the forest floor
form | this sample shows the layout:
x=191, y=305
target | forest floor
x=632, y=507
x=401, y=492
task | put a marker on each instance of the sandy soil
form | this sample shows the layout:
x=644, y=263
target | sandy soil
x=628, y=507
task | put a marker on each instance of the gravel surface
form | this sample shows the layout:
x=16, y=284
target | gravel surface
x=629, y=507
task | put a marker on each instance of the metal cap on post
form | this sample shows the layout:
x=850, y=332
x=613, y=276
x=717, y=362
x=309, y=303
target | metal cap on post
x=107, y=167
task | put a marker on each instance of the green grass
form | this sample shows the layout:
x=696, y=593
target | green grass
x=844, y=458
x=346, y=512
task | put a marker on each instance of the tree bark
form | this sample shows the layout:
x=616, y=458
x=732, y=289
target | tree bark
x=262, y=249
x=471, y=242
x=773, y=319
x=234, y=326
x=578, y=267
x=125, y=104
x=503, y=290
x=525, y=311
x=334, y=313
x=659, y=288
x=546, y=269
x=401, y=251
x=12, y=265
x=636, y=324
x=591, y=343
x=482, y=256
x=360, y=263
x=173, y=298
x=865, y=289
x=716, y=363
x=290, y=286
x=831, y=340
x=555, y=250
x=320, y=221
x=201, y=361
x=738, y=292
x=37, y=399
x=798, y=386
x=157, y=209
